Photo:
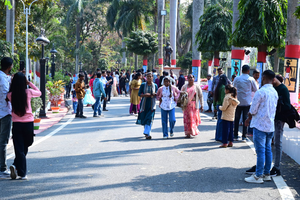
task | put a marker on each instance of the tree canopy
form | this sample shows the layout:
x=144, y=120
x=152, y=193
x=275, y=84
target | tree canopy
x=215, y=29
x=261, y=22
x=142, y=42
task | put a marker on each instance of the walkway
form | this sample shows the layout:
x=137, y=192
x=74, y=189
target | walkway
x=108, y=158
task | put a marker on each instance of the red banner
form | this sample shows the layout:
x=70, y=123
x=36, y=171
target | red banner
x=160, y=61
x=173, y=62
x=209, y=62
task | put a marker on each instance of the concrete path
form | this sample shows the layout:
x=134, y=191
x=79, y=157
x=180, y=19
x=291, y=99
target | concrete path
x=108, y=158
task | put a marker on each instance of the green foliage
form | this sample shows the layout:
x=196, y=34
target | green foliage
x=261, y=22
x=7, y=3
x=185, y=61
x=59, y=76
x=103, y=64
x=215, y=29
x=55, y=88
x=142, y=42
x=36, y=104
x=5, y=51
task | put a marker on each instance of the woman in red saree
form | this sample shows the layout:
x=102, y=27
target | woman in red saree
x=191, y=114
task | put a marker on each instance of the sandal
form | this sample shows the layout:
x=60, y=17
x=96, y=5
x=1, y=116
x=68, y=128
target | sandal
x=230, y=144
x=188, y=136
x=223, y=146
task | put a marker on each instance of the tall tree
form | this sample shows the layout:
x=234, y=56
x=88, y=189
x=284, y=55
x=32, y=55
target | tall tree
x=261, y=24
x=10, y=23
x=215, y=30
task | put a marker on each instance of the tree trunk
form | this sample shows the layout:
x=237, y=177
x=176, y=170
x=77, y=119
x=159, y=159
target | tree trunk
x=124, y=59
x=160, y=18
x=136, y=62
x=173, y=27
x=236, y=53
x=77, y=42
x=10, y=25
x=216, y=59
x=155, y=31
x=276, y=61
x=198, y=7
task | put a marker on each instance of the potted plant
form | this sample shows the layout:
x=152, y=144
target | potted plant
x=36, y=104
x=55, y=88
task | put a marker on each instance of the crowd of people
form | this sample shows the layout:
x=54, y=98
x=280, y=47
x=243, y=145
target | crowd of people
x=262, y=108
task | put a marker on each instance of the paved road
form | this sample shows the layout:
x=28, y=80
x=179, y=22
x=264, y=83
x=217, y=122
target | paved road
x=108, y=158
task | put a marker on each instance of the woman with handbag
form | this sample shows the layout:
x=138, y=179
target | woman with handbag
x=147, y=92
x=167, y=96
x=191, y=114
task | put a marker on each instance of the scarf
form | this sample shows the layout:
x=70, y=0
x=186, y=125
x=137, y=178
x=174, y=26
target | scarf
x=153, y=102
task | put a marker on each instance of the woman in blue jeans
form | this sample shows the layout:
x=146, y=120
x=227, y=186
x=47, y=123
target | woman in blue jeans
x=219, y=95
x=167, y=96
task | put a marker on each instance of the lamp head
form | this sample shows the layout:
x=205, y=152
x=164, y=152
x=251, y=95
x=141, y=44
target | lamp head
x=53, y=50
x=42, y=39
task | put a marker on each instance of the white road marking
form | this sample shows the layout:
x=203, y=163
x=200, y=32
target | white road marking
x=46, y=136
x=282, y=187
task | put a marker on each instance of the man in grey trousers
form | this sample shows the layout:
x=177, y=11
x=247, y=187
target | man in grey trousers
x=5, y=113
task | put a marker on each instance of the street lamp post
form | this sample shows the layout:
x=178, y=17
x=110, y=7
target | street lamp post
x=27, y=12
x=47, y=66
x=53, y=52
x=43, y=41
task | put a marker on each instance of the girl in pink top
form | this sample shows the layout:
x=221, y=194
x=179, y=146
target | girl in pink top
x=22, y=117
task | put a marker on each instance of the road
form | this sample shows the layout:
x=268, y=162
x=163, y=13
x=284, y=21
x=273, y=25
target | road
x=108, y=158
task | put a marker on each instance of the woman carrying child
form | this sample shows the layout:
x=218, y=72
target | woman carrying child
x=228, y=107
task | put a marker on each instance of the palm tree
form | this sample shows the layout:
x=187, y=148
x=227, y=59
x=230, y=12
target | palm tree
x=261, y=24
x=198, y=7
x=77, y=7
x=215, y=31
x=236, y=52
x=10, y=22
x=129, y=15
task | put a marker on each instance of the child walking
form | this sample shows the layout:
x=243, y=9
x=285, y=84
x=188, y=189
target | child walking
x=228, y=107
x=22, y=117
x=74, y=100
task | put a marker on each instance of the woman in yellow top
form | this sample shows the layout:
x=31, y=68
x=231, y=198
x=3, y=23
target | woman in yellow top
x=134, y=98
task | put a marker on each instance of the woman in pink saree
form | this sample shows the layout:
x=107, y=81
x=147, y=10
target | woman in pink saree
x=191, y=114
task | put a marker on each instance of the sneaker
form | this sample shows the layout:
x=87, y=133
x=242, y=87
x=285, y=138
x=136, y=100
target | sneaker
x=4, y=174
x=13, y=172
x=252, y=170
x=275, y=172
x=96, y=116
x=171, y=134
x=23, y=178
x=267, y=177
x=105, y=110
x=254, y=179
x=108, y=102
x=77, y=116
x=148, y=137
x=244, y=139
x=82, y=116
x=165, y=137
x=235, y=139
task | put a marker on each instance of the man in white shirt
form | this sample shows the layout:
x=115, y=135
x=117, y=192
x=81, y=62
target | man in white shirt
x=245, y=85
x=5, y=113
x=173, y=76
x=262, y=113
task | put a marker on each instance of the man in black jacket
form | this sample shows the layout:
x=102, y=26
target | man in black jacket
x=283, y=106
